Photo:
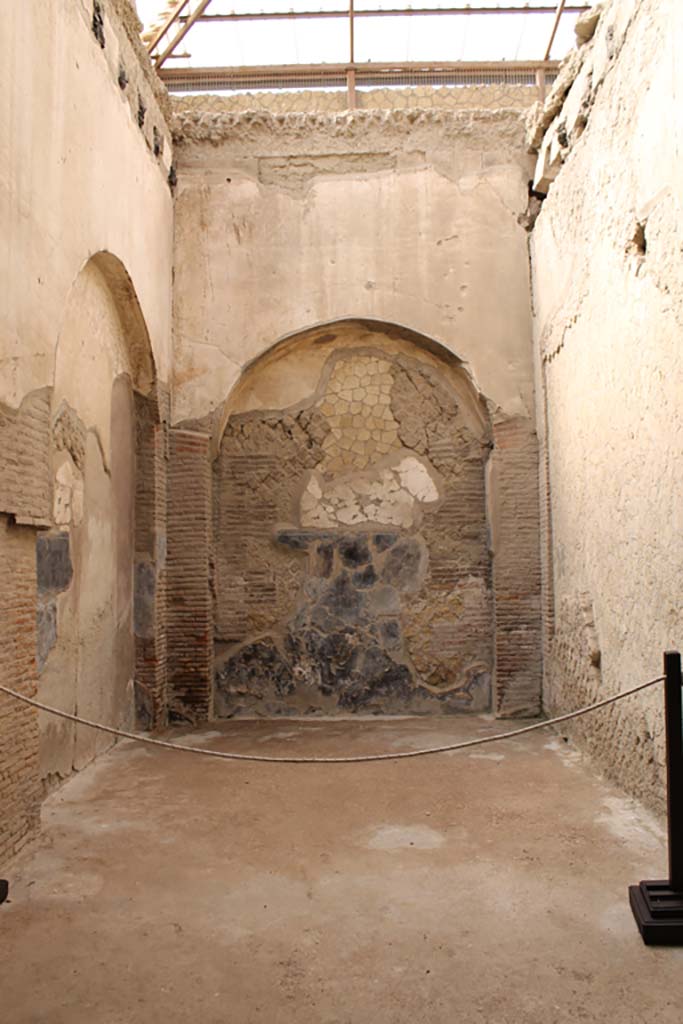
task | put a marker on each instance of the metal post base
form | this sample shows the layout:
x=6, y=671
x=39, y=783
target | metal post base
x=658, y=910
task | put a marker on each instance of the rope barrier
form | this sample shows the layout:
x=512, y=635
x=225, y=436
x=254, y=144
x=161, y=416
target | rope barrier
x=359, y=758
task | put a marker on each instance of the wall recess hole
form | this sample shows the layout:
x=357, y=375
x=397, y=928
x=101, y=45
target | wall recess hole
x=98, y=22
x=637, y=245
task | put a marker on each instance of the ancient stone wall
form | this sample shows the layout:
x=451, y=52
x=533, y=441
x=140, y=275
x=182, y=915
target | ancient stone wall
x=404, y=217
x=352, y=567
x=85, y=272
x=381, y=534
x=25, y=498
x=101, y=586
x=85, y=562
x=608, y=296
x=19, y=778
x=25, y=465
x=79, y=174
x=410, y=218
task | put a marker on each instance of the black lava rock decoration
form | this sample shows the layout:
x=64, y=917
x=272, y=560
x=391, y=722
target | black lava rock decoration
x=343, y=648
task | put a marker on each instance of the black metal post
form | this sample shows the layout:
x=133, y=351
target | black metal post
x=674, y=765
x=658, y=906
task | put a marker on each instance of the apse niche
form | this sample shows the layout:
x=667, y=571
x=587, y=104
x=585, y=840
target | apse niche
x=352, y=570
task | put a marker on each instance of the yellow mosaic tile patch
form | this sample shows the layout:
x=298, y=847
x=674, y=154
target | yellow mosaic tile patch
x=357, y=406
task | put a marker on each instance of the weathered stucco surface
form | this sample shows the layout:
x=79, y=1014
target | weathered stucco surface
x=409, y=217
x=85, y=278
x=77, y=176
x=88, y=665
x=608, y=301
x=346, y=514
x=303, y=222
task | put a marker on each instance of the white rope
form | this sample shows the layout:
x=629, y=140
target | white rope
x=272, y=759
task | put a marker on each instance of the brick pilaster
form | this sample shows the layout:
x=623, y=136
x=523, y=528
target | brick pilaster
x=20, y=790
x=516, y=569
x=190, y=612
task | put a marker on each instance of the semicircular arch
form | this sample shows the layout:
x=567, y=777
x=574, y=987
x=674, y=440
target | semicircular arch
x=288, y=372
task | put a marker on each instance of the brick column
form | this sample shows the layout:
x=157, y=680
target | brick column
x=20, y=791
x=190, y=611
x=514, y=516
x=151, y=689
x=25, y=498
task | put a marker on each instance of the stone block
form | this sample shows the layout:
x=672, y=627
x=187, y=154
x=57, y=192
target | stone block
x=354, y=551
x=53, y=562
x=578, y=103
x=549, y=161
x=609, y=36
x=586, y=24
x=405, y=565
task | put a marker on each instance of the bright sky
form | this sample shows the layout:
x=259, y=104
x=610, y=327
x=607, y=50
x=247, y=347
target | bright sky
x=439, y=37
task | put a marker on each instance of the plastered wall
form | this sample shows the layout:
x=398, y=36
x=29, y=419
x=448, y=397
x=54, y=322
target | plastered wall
x=417, y=220
x=608, y=302
x=412, y=218
x=319, y=256
x=78, y=175
x=85, y=583
x=85, y=286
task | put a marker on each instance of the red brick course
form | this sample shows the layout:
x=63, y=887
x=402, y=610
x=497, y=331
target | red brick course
x=517, y=570
x=20, y=790
x=190, y=613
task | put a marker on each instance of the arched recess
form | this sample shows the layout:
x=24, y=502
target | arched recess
x=134, y=329
x=358, y=498
x=101, y=567
x=259, y=374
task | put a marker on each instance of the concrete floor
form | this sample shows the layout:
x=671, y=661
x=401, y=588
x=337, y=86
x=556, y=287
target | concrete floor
x=478, y=887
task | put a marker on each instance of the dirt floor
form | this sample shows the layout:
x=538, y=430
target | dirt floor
x=488, y=886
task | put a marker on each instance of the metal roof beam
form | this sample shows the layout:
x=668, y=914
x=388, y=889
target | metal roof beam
x=302, y=75
x=556, y=23
x=180, y=35
x=167, y=24
x=386, y=12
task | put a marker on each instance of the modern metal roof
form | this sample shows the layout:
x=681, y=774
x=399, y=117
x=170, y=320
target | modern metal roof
x=259, y=37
